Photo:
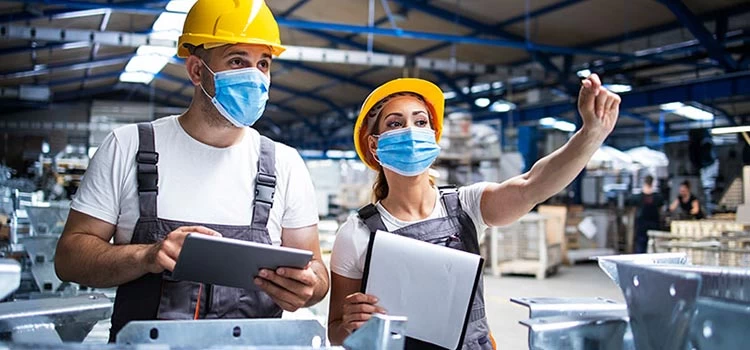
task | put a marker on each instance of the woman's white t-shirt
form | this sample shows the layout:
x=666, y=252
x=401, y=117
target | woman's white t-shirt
x=350, y=247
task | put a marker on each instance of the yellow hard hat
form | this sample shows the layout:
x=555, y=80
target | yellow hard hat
x=431, y=93
x=214, y=23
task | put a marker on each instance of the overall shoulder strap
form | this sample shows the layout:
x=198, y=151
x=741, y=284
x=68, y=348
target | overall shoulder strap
x=147, y=170
x=265, y=184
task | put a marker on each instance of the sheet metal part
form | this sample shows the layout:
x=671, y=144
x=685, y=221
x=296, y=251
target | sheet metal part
x=10, y=277
x=608, y=264
x=576, y=323
x=381, y=332
x=71, y=317
x=588, y=332
x=727, y=283
x=719, y=324
x=211, y=333
x=545, y=307
x=660, y=304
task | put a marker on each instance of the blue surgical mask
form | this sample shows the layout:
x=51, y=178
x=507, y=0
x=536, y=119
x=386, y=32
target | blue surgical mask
x=408, y=151
x=240, y=95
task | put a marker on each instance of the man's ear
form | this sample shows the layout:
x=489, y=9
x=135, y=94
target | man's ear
x=194, y=68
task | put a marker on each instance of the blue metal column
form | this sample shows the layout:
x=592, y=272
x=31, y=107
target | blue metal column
x=527, y=139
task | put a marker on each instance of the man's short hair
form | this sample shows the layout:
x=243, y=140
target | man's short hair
x=648, y=180
x=199, y=51
x=686, y=183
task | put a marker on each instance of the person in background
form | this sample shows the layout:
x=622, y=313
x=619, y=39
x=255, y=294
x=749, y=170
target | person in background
x=650, y=204
x=687, y=203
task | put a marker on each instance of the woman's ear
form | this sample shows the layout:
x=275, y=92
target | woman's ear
x=372, y=143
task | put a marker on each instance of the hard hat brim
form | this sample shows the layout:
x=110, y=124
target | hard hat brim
x=210, y=42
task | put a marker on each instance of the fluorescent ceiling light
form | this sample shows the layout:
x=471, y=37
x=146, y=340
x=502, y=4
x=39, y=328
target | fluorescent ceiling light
x=79, y=14
x=147, y=64
x=730, y=130
x=465, y=90
x=480, y=88
x=168, y=26
x=687, y=111
x=340, y=154
x=564, y=126
x=583, y=73
x=482, y=102
x=669, y=107
x=497, y=84
x=618, y=88
x=449, y=95
x=548, y=121
x=502, y=106
x=156, y=50
x=519, y=80
x=136, y=77
x=180, y=5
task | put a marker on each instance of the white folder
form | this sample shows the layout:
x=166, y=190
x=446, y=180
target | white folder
x=432, y=285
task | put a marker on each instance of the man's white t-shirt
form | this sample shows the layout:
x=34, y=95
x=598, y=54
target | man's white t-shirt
x=197, y=183
x=350, y=247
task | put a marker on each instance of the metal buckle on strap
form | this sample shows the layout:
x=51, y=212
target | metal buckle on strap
x=265, y=187
x=148, y=177
x=147, y=157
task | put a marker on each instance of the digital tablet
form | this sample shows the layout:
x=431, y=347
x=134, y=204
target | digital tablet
x=232, y=262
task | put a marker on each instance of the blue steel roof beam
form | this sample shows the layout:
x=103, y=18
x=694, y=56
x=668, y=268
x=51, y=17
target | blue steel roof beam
x=695, y=26
x=46, y=69
x=408, y=34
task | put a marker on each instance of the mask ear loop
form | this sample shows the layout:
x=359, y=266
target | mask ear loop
x=374, y=153
x=201, y=84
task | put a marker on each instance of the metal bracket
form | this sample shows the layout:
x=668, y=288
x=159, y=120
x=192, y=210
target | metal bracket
x=381, y=332
x=592, y=332
x=660, y=304
x=608, y=263
x=573, y=307
x=72, y=317
x=720, y=325
x=224, y=333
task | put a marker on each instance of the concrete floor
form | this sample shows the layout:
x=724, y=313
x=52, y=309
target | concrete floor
x=584, y=280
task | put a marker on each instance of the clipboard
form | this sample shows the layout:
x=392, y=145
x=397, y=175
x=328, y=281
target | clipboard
x=405, y=253
x=232, y=262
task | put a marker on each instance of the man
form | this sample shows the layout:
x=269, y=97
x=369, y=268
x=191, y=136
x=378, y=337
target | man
x=215, y=176
x=648, y=217
x=687, y=203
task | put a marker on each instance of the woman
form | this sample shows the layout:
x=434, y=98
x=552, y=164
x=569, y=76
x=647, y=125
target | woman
x=396, y=134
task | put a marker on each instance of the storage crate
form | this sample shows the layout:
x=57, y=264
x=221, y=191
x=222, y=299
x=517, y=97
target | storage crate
x=697, y=229
x=525, y=247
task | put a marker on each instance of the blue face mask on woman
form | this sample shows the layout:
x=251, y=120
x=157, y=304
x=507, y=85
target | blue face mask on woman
x=240, y=95
x=407, y=151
